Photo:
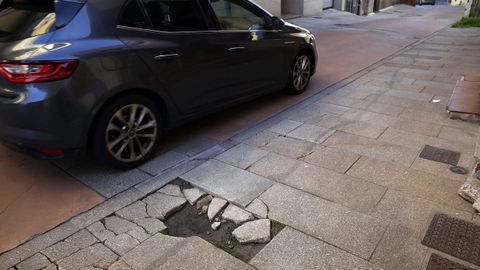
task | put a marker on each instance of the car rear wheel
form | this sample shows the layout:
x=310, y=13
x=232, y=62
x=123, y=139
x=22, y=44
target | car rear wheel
x=127, y=132
x=300, y=74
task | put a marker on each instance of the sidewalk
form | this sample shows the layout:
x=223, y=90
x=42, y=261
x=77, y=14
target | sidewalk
x=341, y=170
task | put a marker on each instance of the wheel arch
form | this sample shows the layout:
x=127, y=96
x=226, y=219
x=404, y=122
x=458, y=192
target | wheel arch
x=311, y=53
x=152, y=95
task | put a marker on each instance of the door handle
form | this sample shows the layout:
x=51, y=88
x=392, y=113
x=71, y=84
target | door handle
x=236, y=49
x=166, y=57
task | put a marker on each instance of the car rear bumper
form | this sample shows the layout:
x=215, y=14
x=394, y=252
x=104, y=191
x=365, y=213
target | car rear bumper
x=42, y=116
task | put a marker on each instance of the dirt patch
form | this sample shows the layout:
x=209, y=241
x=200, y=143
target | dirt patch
x=190, y=222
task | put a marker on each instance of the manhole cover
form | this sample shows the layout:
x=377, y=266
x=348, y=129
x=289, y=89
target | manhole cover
x=439, y=263
x=458, y=170
x=455, y=237
x=440, y=155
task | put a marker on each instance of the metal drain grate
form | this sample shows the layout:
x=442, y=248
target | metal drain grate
x=455, y=237
x=439, y=263
x=440, y=155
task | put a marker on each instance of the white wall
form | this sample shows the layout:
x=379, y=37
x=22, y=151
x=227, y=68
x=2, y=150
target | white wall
x=312, y=7
x=274, y=6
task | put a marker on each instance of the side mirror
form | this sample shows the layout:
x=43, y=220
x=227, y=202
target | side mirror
x=277, y=23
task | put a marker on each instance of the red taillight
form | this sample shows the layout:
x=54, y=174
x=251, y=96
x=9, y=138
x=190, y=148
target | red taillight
x=51, y=152
x=18, y=72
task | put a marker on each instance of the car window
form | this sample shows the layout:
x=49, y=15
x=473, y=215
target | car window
x=133, y=16
x=238, y=15
x=175, y=15
x=23, y=20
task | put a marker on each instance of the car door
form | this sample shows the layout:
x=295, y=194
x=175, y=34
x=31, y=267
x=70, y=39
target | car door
x=177, y=43
x=255, y=48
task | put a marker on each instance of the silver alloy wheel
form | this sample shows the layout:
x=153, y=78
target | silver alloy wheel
x=301, y=72
x=131, y=133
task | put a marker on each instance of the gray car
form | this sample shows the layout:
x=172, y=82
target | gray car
x=112, y=76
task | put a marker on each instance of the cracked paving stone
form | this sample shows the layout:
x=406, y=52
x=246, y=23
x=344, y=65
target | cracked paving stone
x=172, y=190
x=180, y=253
x=36, y=262
x=96, y=255
x=257, y=231
x=151, y=225
x=139, y=234
x=236, y=214
x=82, y=239
x=119, y=265
x=215, y=207
x=193, y=195
x=134, y=211
x=258, y=208
x=119, y=225
x=121, y=244
x=51, y=266
x=161, y=206
x=60, y=250
x=99, y=230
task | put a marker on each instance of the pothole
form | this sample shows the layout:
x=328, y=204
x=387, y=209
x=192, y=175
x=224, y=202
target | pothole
x=190, y=221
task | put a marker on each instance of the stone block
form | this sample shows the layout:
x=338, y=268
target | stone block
x=228, y=182
x=356, y=233
x=242, y=156
x=291, y=249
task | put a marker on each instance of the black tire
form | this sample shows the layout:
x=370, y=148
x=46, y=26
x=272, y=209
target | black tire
x=292, y=87
x=136, y=133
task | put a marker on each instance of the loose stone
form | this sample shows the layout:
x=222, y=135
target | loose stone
x=258, y=208
x=162, y=205
x=215, y=207
x=236, y=214
x=257, y=231
x=193, y=195
x=172, y=190
x=216, y=225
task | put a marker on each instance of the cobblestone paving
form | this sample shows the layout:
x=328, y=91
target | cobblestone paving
x=341, y=170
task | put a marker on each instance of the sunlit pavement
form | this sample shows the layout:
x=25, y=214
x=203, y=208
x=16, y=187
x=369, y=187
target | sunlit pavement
x=39, y=195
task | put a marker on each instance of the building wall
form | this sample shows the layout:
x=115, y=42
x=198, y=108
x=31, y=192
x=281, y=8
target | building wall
x=302, y=7
x=312, y=7
x=387, y=3
x=292, y=7
x=274, y=6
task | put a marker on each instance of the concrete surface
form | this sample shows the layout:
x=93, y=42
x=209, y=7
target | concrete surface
x=382, y=109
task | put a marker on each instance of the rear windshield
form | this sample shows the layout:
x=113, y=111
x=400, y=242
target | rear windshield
x=24, y=19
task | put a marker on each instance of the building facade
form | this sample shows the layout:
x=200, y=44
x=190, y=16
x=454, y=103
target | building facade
x=288, y=8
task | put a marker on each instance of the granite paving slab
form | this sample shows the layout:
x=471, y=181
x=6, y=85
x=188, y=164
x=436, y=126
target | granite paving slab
x=228, y=182
x=423, y=185
x=293, y=250
x=242, y=156
x=354, y=232
x=373, y=148
x=353, y=193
